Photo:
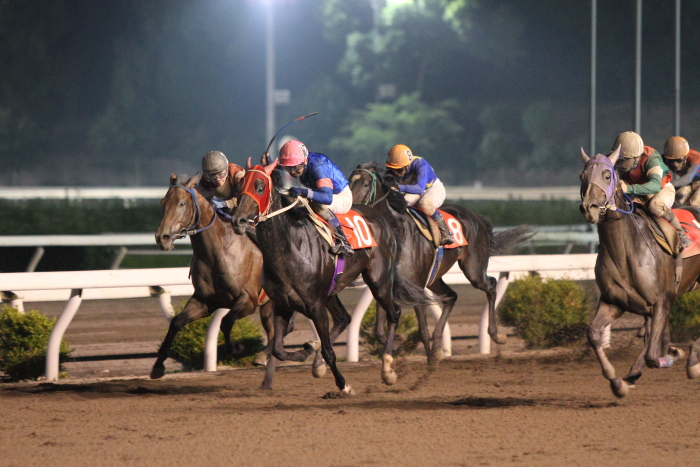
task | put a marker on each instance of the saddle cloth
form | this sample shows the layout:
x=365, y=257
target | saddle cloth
x=666, y=236
x=430, y=230
x=354, y=226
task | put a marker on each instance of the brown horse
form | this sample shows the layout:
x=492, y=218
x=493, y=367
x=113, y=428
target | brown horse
x=226, y=269
x=416, y=253
x=633, y=273
x=300, y=271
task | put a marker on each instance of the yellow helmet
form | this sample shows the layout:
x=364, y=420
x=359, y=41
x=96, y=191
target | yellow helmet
x=399, y=156
x=676, y=147
x=631, y=144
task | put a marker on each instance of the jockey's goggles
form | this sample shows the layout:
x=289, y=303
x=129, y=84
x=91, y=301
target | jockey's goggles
x=294, y=168
x=216, y=175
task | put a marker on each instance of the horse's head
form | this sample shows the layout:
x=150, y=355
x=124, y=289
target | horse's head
x=255, y=197
x=598, y=184
x=179, y=211
x=365, y=183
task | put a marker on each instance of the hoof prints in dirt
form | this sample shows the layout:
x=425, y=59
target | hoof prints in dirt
x=494, y=402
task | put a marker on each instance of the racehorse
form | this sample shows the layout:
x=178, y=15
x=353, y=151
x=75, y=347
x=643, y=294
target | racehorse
x=300, y=272
x=417, y=254
x=633, y=273
x=226, y=269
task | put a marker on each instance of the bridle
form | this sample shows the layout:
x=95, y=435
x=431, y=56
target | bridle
x=264, y=199
x=371, y=199
x=601, y=163
x=196, y=216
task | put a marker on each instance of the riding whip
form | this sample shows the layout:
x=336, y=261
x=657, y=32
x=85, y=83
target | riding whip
x=280, y=130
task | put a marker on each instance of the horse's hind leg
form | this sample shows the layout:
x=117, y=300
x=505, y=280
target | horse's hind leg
x=265, y=357
x=474, y=268
x=424, y=331
x=605, y=315
x=636, y=371
x=440, y=288
x=194, y=309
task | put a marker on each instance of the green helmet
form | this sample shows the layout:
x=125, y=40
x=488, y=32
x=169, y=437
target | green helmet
x=214, y=162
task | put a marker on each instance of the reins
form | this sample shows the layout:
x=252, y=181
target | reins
x=371, y=197
x=196, y=216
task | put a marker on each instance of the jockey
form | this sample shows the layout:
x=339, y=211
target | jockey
x=426, y=191
x=683, y=163
x=221, y=180
x=325, y=185
x=644, y=175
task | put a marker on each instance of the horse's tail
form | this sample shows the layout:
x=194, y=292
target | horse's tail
x=506, y=240
x=408, y=294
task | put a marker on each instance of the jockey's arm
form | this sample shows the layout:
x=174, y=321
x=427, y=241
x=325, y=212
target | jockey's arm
x=419, y=187
x=323, y=193
x=687, y=179
x=651, y=187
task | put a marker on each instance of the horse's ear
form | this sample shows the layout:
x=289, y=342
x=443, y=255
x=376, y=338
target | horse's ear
x=173, y=179
x=270, y=167
x=584, y=156
x=248, y=164
x=615, y=154
x=193, y=181
x=265, y=159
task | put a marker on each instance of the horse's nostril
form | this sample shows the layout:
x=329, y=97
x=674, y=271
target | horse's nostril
x=242, y=221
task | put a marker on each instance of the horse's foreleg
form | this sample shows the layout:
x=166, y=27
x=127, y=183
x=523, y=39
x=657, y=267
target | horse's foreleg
x=265, y=357
x=282, y=319
x=341, y=320
x=393, y=315
x=658, y=339
x=194, y=309
x=380, y=324
x=320, y=320
x=636, y=371
x=424, y=331
x=605, y=315
x=440, y=288
x=240, y=308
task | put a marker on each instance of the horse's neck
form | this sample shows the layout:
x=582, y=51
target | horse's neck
x=208, y=241
x=616, y=231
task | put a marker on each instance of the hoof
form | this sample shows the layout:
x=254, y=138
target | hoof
x=158, y=371
x=348, y=390
x=676, y=353
x=438, y=356
x=312, y=345
x=693, y=371
x=389, y=376
x=619, y=387
x=319, y=371
x=500, y=338
x=260, y=360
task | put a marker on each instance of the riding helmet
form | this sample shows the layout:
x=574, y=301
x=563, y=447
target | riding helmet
x=676, y=147
x=214, y=162
x=399, y=156
x=293, y=153
x=631, y=144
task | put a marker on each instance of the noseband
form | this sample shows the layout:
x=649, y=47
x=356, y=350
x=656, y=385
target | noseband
x=601, y=163
x=196, y=215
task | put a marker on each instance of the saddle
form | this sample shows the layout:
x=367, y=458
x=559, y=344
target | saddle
x=430, y=230
x=663, y=232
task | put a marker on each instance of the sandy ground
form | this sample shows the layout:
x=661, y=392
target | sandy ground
x=513, y=407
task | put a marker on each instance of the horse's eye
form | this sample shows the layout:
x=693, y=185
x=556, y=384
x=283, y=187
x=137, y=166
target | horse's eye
x=259, y=189
x=181, y=204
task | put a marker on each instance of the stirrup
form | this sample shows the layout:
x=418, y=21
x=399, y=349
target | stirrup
x=342, y=249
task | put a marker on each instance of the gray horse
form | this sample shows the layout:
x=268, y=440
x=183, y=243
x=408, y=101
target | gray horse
x=633, y=274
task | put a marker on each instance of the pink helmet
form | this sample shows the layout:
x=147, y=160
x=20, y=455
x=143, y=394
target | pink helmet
x=293, y=153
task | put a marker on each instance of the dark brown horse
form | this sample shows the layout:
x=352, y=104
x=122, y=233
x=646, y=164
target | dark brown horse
x=299, y=270
x=226, y=269
x=633, y=273
x=417, y=253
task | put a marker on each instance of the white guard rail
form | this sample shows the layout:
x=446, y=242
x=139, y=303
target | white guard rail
x=121, y=283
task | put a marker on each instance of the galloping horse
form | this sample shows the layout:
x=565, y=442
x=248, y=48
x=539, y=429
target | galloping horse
x=300, y=272
x=633, y=273
x=226, y=268
x=417, y=254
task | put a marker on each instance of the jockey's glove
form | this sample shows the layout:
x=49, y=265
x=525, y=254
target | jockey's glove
x=623, y=186
x=295, y=192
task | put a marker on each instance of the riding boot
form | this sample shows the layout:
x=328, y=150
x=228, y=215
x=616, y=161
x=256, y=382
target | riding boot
x=446, y=236
x=342, y=246
x=673, y=220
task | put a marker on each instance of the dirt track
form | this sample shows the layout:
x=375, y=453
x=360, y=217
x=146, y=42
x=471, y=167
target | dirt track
x=513, y=407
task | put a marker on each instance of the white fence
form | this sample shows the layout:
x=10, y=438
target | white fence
x=48, y=286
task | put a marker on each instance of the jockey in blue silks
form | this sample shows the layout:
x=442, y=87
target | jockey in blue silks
x=326, y=187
